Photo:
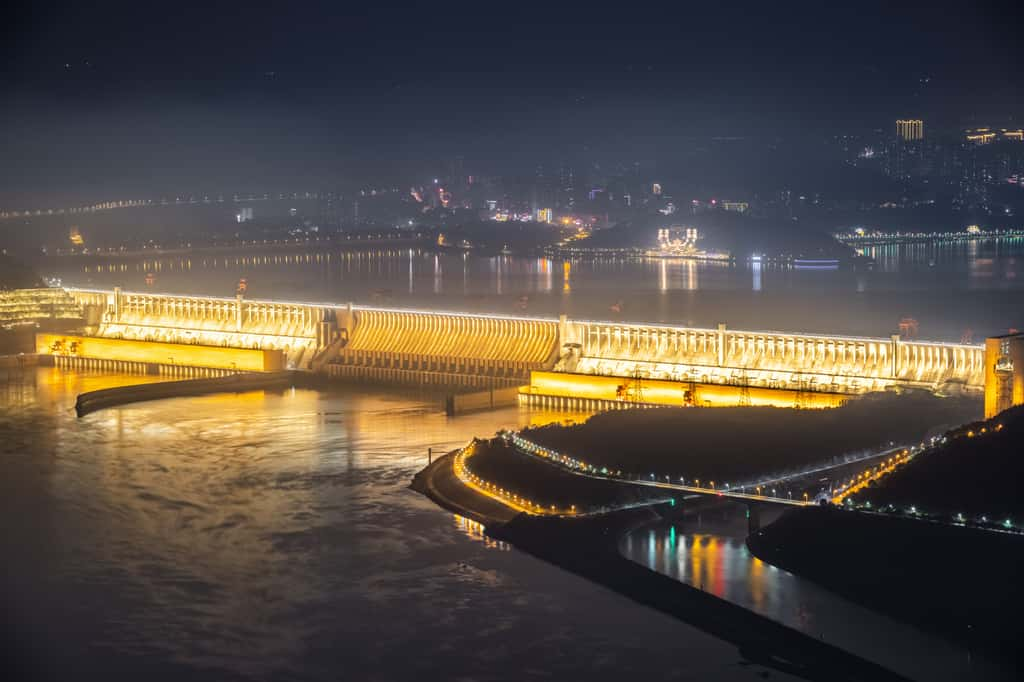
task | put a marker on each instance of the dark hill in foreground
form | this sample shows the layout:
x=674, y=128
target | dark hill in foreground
x=979, y=470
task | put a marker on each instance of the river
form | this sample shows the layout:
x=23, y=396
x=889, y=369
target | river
x=272, y=536
x=952, y=290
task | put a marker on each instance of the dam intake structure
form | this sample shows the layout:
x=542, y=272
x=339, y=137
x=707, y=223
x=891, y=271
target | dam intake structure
x=592, y=362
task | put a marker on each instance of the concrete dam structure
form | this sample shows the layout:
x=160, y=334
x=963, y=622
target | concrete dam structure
x=498, y=351
x=491, y=351
x=839, y=364
x=290, y=329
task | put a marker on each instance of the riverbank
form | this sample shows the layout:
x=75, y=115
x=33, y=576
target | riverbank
x=588, y=547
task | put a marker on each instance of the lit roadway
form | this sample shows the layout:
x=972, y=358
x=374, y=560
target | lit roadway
x=717, y=492
x=581, y=468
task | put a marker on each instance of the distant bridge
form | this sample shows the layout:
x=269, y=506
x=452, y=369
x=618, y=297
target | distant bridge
x=887, y=239
x=594, y=363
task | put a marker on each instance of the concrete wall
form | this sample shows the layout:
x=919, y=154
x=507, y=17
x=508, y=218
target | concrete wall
x=460, y=403
x=660, y=392
x=122, y=395
x=240, y=359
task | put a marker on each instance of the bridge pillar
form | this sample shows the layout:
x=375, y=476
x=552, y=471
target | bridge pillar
x=721, y=345
x=895, y=352
x=117, y=304
x=346, y=319
x=753, y=518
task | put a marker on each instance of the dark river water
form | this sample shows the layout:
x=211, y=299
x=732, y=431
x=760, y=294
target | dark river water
x=951, y=289
x=273, y=536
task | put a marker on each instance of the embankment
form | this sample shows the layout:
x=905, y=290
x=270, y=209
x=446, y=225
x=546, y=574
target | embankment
x=438, y=482
x=234, y=383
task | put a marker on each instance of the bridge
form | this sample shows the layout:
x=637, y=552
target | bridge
x=866, y=239
x=559, y=362
x=580, y=468
x=862, y=470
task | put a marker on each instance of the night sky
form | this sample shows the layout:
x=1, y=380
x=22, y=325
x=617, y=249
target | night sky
x=138, y=98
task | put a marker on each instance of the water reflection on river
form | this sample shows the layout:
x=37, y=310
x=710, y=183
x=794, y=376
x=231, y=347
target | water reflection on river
x=711, y=554
x=947, y=287
x=273, y=536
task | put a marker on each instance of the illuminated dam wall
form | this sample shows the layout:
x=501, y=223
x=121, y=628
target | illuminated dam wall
x=291, y=328
x=406, y=344
x=836, y=364
x=423, y=347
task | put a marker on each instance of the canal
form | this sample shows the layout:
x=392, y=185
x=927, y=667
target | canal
x=707, y=551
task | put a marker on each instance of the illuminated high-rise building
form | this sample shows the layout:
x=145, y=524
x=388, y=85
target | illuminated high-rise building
x=910, y=129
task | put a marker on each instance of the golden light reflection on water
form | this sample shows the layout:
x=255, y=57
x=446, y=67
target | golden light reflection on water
x=52, y=386
x=475, y=531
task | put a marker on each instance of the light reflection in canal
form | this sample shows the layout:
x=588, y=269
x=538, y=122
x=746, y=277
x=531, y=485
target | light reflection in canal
x=712, y=555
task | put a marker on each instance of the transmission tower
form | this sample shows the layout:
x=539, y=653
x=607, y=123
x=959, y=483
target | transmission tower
x=802, y=398
x=690, y=392
x=638, y=386
x=744, y=388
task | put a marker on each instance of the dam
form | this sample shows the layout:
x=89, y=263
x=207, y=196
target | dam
x=548, y=358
